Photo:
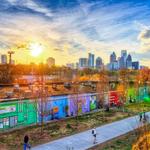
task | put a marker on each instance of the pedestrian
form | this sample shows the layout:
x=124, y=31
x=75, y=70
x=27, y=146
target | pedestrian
x=140, y=115
x=94, y=135
x=26, y=143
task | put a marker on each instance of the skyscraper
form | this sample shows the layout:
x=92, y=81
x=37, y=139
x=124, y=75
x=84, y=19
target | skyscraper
x=83, y=63
x=91, y=60
x=113, y=62
x=123, y=53
x=3, y=59
x=121, y=62
x=99, y=62
x=129, y=62
x=112, y=57
x=124, y=57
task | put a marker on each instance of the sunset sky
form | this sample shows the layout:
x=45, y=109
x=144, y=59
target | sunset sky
x=69, y=29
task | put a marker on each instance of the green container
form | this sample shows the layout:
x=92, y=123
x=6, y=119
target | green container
x=144, y=93
x=131, y=94
x=17, y=113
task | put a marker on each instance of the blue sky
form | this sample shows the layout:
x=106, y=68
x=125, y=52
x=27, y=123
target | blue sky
x=69, y=29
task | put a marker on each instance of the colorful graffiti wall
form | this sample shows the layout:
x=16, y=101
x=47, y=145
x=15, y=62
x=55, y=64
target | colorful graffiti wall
x=81, y=103
x=131, y=94
x=17, y=113
x=55, y=107
x=113, y=98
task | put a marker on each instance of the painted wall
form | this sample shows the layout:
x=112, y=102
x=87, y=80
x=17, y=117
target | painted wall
x=17, y=113
x=131, y=94
x=79, y=104
x=55, y=107
x=93, y=101
x=113, y=97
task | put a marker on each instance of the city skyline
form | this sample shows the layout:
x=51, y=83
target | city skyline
x=68, y=30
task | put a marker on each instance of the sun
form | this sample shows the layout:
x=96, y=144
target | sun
x=36, y=49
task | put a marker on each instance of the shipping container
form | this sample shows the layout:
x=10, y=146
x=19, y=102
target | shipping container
x=81, y=103
x=131, y=95
x=114, y=98
x=55, y=107
x=144, y=93
x=17, y=113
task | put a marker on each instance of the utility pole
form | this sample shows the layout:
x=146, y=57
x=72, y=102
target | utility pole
x=10, y=53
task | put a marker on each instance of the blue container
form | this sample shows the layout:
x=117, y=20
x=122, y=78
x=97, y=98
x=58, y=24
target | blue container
x=60, y=106
x=55, y=107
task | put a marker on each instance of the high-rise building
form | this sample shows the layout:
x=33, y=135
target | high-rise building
x=83, y=63
x=123, y=53
x=3, y=59
x=99, y=62
x=124, y=57
x=112, y=57
x=113, y=62
x=51, y=61
x=91, y=60
x=129, y=62
x=135, y=65
x=121, y=63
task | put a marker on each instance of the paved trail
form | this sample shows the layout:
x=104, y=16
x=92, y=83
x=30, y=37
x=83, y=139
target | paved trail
x=84, y=140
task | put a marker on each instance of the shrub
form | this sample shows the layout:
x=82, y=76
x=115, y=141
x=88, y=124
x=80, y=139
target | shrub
x=68, y=126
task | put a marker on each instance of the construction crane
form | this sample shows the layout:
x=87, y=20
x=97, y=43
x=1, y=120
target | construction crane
x=10, y=53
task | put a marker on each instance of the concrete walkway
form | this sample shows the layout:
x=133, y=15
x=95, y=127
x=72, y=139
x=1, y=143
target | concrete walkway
x=84, y=140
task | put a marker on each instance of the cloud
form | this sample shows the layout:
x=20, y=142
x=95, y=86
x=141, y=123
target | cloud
x=87, y=27
x=30, y=4
x=144, y=39
x=145, y=34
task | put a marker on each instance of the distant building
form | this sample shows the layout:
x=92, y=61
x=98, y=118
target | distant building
x=113, y=65
x=124, y=58
x=91, y=60
x=51, y=61
x=3, y=59
x=70, y=65
x=124, y=53
x=99, y=62
x=129, y=62
x=112, y=57
x=122, y=63
x=83, y=63
x=143, y=67
x=135, y=65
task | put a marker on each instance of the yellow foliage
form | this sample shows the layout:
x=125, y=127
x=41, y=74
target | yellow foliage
x=143, y=142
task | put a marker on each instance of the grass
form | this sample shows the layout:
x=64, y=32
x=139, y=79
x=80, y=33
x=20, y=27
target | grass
x=54, y=130
x=138, y=107
x=14, y=140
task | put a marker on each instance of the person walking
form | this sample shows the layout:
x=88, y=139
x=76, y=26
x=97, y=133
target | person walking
x=26, y=143
x=94, y=135
x=140, y=115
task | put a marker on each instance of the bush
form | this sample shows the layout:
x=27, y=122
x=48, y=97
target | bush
x=68, y=126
